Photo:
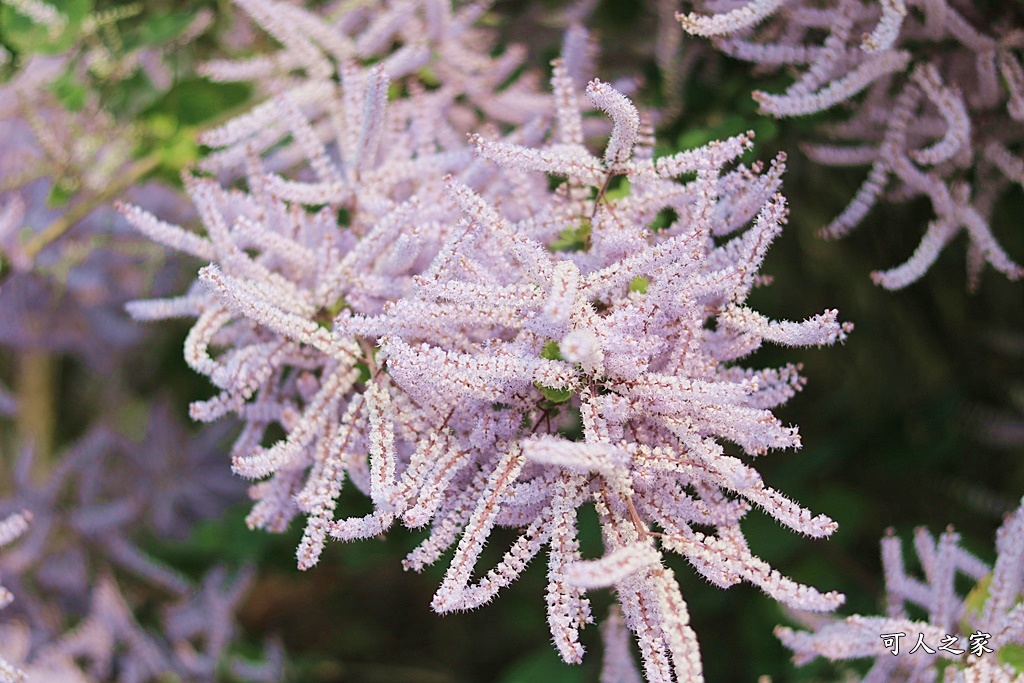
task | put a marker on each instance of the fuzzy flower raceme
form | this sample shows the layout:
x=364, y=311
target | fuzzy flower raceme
x=11, y=527
x=590, y=376
x=279, y=273
x=484, y=352
x=936, y=89
x=436, y=60
x=983, y=631
x=78, y=570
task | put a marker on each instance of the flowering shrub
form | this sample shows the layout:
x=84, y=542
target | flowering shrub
x=490, y=350
x=992, y=613
x=939, y=119
x=442, y=302
x=66, y=269
x=81, y=527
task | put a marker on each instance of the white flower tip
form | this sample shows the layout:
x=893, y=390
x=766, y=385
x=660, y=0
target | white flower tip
x=578, y=345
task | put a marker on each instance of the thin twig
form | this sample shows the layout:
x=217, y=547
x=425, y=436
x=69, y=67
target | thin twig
x=83, y=208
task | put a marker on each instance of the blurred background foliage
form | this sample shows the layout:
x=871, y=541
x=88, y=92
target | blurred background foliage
x=896, y=424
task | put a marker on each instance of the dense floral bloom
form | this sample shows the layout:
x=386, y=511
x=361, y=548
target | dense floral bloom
x=485, y=307
x=482, y=351
x=943, y=98
x=280, y=272
x=590, y=376
x=432, y=71
x=71, y=617
x=983, y=630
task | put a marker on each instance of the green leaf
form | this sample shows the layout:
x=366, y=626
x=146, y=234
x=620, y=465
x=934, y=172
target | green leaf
x=619, y=191
x=181, y=151
x=326, y=315
x=69, y=91
x=128, y=96
x=1012, y=655
x=161, y=126
x=159, y=29
x=60, y=194
x=25, y=35
x=195, y=101
x=337, y=307
x=364, y=371
x=573, y=239
x=665, y=218
x=554, y=395
x=428, y=77
x=975, y=601
x=175, y=144
x=551, y=351
x=638, y=284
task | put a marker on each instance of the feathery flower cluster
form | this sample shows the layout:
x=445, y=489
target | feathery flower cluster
x=72, y=619
x=484, y=352
x=936, y=90
x=78, y=575
x=426, y=286
x=11, y=527
x=994, y=608
x=280, y=272
x=430, y=66
x=589, y=376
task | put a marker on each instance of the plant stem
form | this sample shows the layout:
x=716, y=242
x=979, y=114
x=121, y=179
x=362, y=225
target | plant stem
x=83, y=208
x=36, y=417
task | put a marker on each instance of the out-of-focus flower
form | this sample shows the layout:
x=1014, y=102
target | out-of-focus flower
x=936, y=91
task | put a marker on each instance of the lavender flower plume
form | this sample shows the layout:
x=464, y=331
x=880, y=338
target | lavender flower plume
x=994, y=607
x=434, y=54
x=11, y=527
x=72, y=620
x=613, y=336
x=939, y=117
x=434, y=349
x=273, y=312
